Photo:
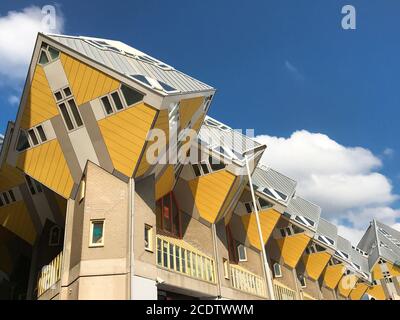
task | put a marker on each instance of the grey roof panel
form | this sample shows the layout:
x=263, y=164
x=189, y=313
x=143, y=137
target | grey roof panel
x=344, y=246
x=128, y=65
x=265, y=177
x=328, y=230
x=304, y=208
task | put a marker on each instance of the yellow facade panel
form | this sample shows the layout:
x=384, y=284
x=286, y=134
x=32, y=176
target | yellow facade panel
x=15, y=217
x=166, y=182
x=40, y=105
x=87, y=83
x=347, y=284
x=315, y=263
x=10, y=177
x=393, y=270
x=125, y=135
x=268, y=220
x=377, y=292
x=188, y=108
x=377, y=272
x=358, y=291
x=209, y=193
x=292, y=247
x=46, y=164
x=333, y=274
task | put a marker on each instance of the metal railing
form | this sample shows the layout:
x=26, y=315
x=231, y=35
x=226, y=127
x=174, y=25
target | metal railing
x=178, y=256
x=49, y=275
x=282, y=292
x=247, y=281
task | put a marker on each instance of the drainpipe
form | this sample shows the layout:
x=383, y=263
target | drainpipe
x=131, y=210
x=266, y=266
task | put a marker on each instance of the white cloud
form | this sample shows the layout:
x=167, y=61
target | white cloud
x=18, y=32
x=293, y=70
x=13, y=100
x=344, y=181
x=352, y=234
x=388, y=152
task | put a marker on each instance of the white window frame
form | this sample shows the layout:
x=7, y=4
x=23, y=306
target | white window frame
x=243, y=259
x=112, y=103
x=65, y=100
x=47, y=53
x=96, y=245
x=54, y=244
x=279, y=273
x=226, y=268
x=150, y=233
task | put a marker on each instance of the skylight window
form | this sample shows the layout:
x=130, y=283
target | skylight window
x=326, y=239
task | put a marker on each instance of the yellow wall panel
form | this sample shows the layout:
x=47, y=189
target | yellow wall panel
x=268, y=220
x=46, y=164
x=188, y=108
x=315, y=263
x=209, y=193
x=125, y=135
x=333, y=274
x=15, y=217
x=292, y=247
x=377, y=272
x=358, y=291
x=346, y=284
x=166, y=182
x=87, y=83
x=162, y=123
x=10, y=177
x=393, y=270
x=377, y=292
x=40, y=105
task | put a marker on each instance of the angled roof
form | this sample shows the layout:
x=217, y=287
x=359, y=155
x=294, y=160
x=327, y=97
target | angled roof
x=130, y=62
x=274, y=184
x=389, y=242
x=343, y=249
x=327, y=233
x=226, y=141
x=304, y=212
x=359, y=262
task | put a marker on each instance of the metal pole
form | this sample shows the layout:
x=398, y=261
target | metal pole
x=266, y=266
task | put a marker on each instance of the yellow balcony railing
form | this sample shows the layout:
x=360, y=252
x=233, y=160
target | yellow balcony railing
x=178, y=256
x=283, y=292
x=247, y=281
x=49, y=275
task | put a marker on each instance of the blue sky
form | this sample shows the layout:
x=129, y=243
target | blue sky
x=278, y=66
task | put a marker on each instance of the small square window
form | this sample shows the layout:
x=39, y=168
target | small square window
x=117, y=101
x=148, y=237
x=6, y=198
x=58, y=96
x=42, y=135
x=302, y=281
x=107, y=105
x=226, y=268
x=277, y=270
x=33, y=137
x=249, y=208
x=242, y=253
x=12, y=196
x=196, y=170
x=97, y=233
x=67, y=92
x=205, y=168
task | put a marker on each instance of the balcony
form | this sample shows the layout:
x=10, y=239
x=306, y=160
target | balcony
x=178, y=256
x=283, y=292
x=49, y=275
x=243, y=280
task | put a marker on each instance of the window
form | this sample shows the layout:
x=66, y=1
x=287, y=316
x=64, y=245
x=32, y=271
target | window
x=47, y=54
x=226, y=268
x=302, y=280
x=131, y=96
x=117, y=101
x=249, y=207
x=1, y=202
x=7, y=197
x=42, y=134
x=277, y=270
x=207, y=102
x=34, y=186
x=12, y=196
x=169, y=216
x=148, y=237
x=242, y=253
x=23, y=142
x=97, y=233
x=33, y=137
x=264, y=204
x=54, y=236
x=206, y=167
x=30, y=138
x=69, y=110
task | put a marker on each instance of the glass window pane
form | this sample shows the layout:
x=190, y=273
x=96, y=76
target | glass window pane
x=53, y=53
x=6, y=198
x=12, y=196
x=23, y=142
x=1, y=202
x=117, y=101
x=97, y=232
x=43, y=58
x=131, y=96
x=67, y=92
x=34, y=139
x=107, y=105
x=66, y=116
x=58, y=96
x=41, y=133
x=178, y=258
x=205, y=168
x=159, y=253
x=75, y=112
x=30, y=185
x=166, y=213
x=165, y=254
x=216, y=164
x=171, y=256
x=196, y=170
